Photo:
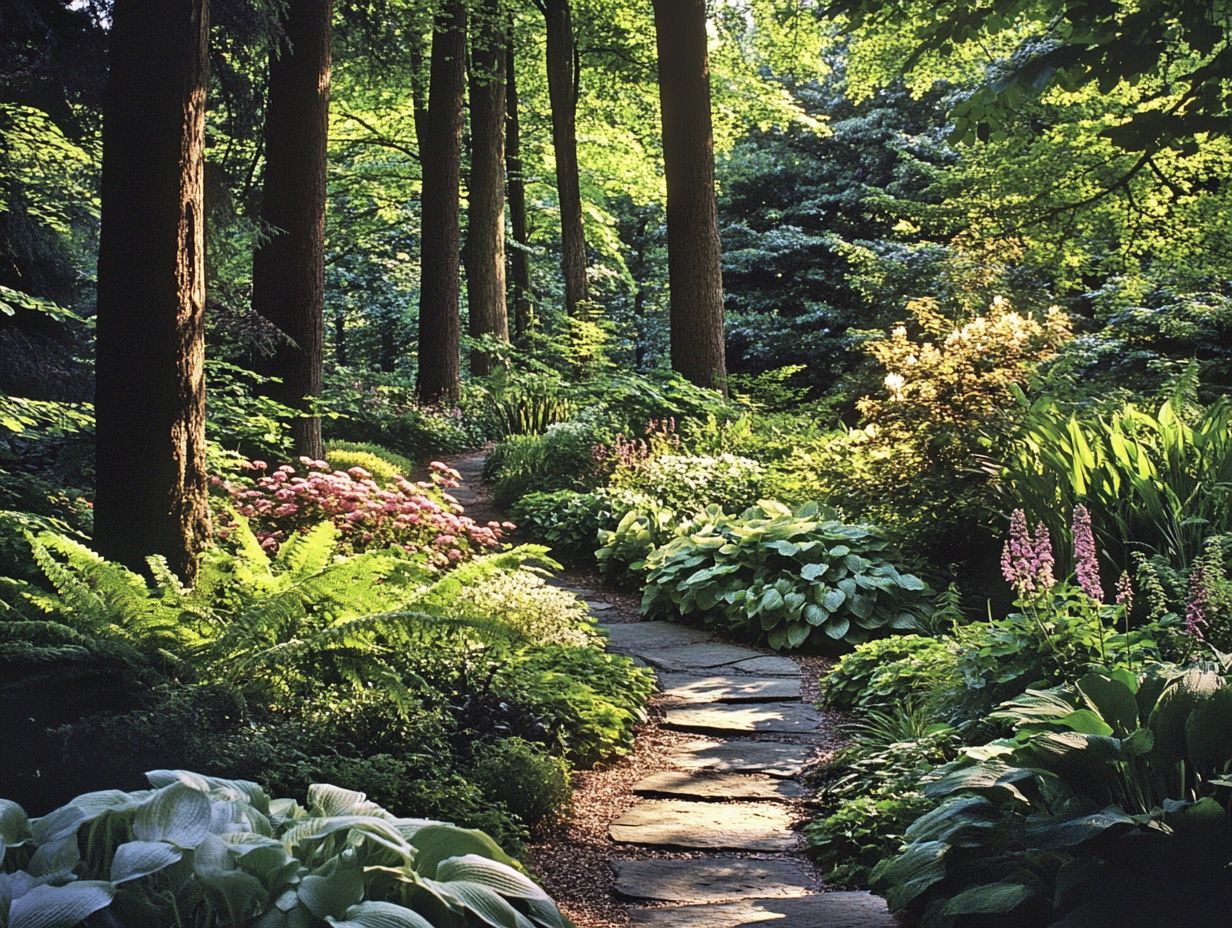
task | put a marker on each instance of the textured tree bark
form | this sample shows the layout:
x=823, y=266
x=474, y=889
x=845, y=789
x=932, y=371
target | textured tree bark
x=288, y=269
x=150, y=386
x=485, y=229
x=519, y=261
x=439, y=328
x=562, y=94
x=693, y=251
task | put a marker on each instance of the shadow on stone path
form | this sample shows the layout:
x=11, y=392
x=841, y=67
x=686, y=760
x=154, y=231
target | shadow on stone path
x=724, y=791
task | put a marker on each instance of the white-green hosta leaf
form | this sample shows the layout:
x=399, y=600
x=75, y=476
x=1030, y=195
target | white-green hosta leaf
x=993, y=899
x=331, y=894
x=436, y=843
x=488, y=906
x=327, y=800
x=136, y=859
x=490, y=873
x=60, y=906
x=14, y=826
x=380, y=915
x=177, y=814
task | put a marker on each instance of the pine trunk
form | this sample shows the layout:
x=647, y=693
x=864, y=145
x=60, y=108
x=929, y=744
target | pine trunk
x=288, y=269
x=519, y=261
x=562, y=94
x=693, y=254
x=151, y=495
x=485, y=236
x=439, y=328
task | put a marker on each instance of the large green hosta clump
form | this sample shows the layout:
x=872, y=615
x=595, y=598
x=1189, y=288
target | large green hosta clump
x=1110, y=806
x=785, y=575
x=210, y=853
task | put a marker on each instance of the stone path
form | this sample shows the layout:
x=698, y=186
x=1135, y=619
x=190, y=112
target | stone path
x=725, y=793
x=728, y=796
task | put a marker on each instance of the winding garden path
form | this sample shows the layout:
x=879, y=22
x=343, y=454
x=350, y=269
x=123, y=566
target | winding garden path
x=701, y=836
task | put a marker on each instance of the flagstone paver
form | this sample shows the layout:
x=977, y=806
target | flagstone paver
x=686, y=784
x=773, y=758
x=701, y=655
x=728, y=687
x=789, y=718
x=824, y=910
x=716, y=879
x=731, y=826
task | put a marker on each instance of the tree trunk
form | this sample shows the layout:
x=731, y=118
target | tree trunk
x=693, y=256
x=288, y=269
x=151, y=495
x=520, y=259
x=485, y=230
x=562, y=93
x=439, y=329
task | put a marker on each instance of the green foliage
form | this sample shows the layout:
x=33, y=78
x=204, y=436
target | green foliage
x=686, y=484
x=383, y=464
x=224, y=851
x=242, y=423
x=625, y=402
x=1156, y=482
x=788, y=576
x=590, y=701
x=566, y=521
x=382, y=409
x=524, y=778
x=559, y=459
x=871, y=791
x=1071, y=818
x=888, y=671
x=624, y=549
x=529, y=404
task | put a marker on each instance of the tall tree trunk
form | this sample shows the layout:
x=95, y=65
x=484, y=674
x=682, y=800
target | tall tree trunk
x=520, y=259
x=439, y=329
x=288, y=269
x=693, y=256
x=151, y=495
x=562, y=94
x=485, y=229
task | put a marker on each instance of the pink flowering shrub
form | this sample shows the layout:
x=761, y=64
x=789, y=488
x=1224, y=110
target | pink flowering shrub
x=421, y=518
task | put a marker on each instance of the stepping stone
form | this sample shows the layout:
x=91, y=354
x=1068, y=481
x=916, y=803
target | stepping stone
x=719, y=787
x=652, y=636
x=728, y=687
x=734, y=826
x=596, y=606
x=785, y=718
x=768, y=665
x=772, y=758
x=824, y=910
x=699, y=656
x=714, y=880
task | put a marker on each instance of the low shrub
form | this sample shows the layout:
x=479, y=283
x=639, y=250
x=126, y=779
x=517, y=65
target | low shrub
x=378, y=408
x=888, y=671
x=418, y=517
x=687, y=484
x=782, y=575
x=589, y=701
x=566, y=521
x=559, y=459
x=524, y=778
x=529, y=404
x=224, y=851
x=384, y=465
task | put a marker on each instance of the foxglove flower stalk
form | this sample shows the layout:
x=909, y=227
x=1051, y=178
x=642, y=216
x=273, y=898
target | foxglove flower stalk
x=1195, y=609
x=1026, y=559
x=1125, y=592
x=1085, y=558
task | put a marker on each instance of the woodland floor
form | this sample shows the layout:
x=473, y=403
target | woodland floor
x=697, y=828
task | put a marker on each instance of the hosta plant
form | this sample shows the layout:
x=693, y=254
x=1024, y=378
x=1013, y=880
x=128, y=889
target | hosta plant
x=788, y=576
x=210, y=853
x=1111, y=805
x=624, y=549
x=566, y=521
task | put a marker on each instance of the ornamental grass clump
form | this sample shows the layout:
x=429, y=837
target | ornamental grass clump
x=419, y=517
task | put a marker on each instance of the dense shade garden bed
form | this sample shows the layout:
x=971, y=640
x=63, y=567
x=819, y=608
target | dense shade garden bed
x=900, y=340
